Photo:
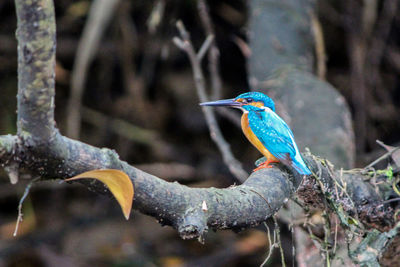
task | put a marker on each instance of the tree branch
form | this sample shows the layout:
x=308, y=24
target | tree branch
x=61, y=157
x=185, y=44
x=237, y=207
x=36, y=36
x=40, y=149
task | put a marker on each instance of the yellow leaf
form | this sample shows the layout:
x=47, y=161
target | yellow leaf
x=117, y=182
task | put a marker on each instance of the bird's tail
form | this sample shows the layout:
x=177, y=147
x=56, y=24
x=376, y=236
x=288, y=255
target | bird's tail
x=300, y=166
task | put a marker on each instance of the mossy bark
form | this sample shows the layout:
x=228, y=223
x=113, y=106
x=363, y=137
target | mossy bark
x=36, y=34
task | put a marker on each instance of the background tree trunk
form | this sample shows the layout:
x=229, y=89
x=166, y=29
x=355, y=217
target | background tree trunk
x=282, y=65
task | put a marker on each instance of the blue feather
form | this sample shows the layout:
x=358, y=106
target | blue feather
x=257, y=96
x=277, y=137
x=268, y=127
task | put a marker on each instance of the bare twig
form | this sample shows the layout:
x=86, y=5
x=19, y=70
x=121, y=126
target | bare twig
x=384, y=156
x=271, y=245
x=204, y=48
x=99, y=16
x=21, y=201
x=185, y=44
x=336, y=234
x=327, y=234
x=213, y=53
x=391, y=200
x=278, y=237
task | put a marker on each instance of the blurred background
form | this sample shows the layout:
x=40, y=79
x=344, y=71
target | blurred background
x=137, y=96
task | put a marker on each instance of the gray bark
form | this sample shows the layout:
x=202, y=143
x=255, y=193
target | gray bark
x=40, y=150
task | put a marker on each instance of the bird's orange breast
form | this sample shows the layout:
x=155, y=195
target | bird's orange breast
x=254, y=139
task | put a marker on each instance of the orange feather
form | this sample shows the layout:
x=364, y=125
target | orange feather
x=254, y=140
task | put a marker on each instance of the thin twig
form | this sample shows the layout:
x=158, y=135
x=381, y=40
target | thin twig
x=327, y=233
x=278, y=236
x=213, y=53
x=21, y=201
x=185, y=44
x=391, y=200
x=394, y=186
x=384, y=156
x=204, y=48
x=342, y=186
x=271, y=245
x=336, y=233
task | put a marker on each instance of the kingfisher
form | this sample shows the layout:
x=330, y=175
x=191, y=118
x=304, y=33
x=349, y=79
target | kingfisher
x=266, y=130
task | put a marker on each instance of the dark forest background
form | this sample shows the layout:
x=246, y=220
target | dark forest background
x=139, y=99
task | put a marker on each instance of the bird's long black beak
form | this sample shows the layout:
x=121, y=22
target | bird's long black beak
x=222, y=103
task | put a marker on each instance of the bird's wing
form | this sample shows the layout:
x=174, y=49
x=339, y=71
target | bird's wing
x=274, y=134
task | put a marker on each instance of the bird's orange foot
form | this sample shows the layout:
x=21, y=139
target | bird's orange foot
x=265, y=164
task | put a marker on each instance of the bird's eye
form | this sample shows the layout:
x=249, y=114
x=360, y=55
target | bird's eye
x=249, y=100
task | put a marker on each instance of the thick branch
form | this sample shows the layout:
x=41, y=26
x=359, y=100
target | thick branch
x=36, y=35
x=40, y=149
x=348, y=193
x=236, y=207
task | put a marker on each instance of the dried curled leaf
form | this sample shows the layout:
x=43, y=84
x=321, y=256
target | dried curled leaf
x=118, y=182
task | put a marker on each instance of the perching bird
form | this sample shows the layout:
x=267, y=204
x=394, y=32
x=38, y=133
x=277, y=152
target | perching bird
x=266, y=130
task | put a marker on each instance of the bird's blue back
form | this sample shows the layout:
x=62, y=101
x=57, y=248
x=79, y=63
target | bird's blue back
x=277, y=137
